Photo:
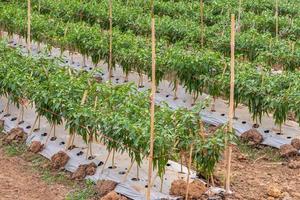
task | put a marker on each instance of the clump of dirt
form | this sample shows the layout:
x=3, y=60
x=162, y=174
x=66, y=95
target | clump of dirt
x=103, y=187
x=84, y=170
x=59, y=160
x=288, y=150
x=253, y=137
x=274, y=191
x=16, y=135
x=196, y=189
x=294, y=164
x=113, y=196
x=296, y=143
x=91, y=169
x=36, y=146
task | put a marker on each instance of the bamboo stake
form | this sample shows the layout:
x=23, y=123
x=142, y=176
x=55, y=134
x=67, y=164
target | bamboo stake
x=231, y=105
x=110, y=74
x=188, y=175
x=113, y=159
x=202, y=23
x=152, y=97
x=49, y=134
x=276, y=18
x=32, y=128
x=28, y=26
x=176, y=84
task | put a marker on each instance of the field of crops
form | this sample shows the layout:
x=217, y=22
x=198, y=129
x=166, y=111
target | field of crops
x=192, y=50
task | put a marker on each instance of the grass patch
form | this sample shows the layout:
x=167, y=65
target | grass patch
x=256, y=152
x=87, y=192
x=15, y=149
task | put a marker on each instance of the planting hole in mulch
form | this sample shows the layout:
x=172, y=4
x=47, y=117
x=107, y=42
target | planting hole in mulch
x=213, y=110
x=135, y=179
x=44, y=134
x=223, y=114
x=90, y=68
x=91, y=157
x=168, y=164
x=62, y=143
x=6, y=115
x=100, y=163
x=21, y=122
x=53, y=138
x=36, y=129
x=1, y=111
x=255, y=126
x=117, y=79
x=66, y=61
x=28, y=127
x=79, y=153
x=288, y=137
x=167, y=96
x=141, y=86
x=125, y=81
x=146, y=186
x=244, y=122
x=13, y=119
x=122, y=172
x=112, y=167
x=278, y=133
x=267, y=131
x=157, y=92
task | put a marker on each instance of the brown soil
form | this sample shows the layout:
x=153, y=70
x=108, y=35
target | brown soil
x=16, y=135
x=296, y=143
x=113, y=196
x=59, y=160
x=17, y=182
x=84, y=170
x=196, y=189
x=103, y=187
x=36, y=147
x=1, y=124
x=91, y=169
x=252, y=179
x=288, y=150
x=252, y=136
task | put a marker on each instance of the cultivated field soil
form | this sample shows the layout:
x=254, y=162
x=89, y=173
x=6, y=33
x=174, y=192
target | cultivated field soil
x=257, y=173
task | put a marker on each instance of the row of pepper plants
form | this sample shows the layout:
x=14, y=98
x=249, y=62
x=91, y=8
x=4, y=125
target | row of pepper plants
x=119, y=113
x=254, y=41
x=198, y=71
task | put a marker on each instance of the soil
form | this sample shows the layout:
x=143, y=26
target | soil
x=91, y=169
x=84, y=170
x=59, y=160
x=113, y=196
x=252, y=136
x=17, y=182
x=196, y=189
x=36, y=146
x=254, y=179
x=103, y=187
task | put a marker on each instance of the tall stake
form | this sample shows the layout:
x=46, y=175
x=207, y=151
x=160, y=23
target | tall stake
x=152, y=98
x=231, y=105
x=276, y=18
x=202, y=23
x=28, y=26
x=110, y=42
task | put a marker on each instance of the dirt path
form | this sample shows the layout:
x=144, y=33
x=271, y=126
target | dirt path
x=19, y=183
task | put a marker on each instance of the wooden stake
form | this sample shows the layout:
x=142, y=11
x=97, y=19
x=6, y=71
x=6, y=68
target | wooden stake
x=152, y=98
x=202, y=23
x=32, y=128
x=231, y=105
x=276, y=18
x=113, y=159
x=28, y=26
x=188, y=175
x=110, y=74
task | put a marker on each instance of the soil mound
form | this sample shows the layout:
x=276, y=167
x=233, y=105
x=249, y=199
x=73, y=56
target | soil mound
x=103, y=187
x=196, y=189
x=252, y=136
x=36, y=146
x=59, y=160
x=288, y=150
x=16, y=135
x=84, y=170
x=296, y=143
x=113, y=196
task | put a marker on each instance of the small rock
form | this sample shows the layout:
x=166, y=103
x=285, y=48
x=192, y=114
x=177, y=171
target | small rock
x=294, y=164
x=288, y=150
x=36, y=146
x=274, y=191
x=296, y=143
x=252, y=136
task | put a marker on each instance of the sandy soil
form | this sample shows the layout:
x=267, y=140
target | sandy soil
x=19, y=183
x=251, y=179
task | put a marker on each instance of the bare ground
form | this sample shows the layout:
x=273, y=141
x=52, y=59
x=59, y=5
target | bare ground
x=17, y=182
